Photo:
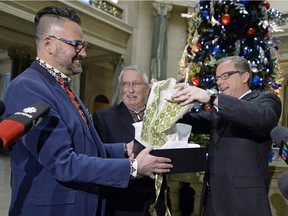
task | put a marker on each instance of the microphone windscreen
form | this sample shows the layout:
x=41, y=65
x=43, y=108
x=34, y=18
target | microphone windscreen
x=31, y=115
x=2, y=107
x=18, y=124
x=278, y=134
x=283, y=184
x=10, y=132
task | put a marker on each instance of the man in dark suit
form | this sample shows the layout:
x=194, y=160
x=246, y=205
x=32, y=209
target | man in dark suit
x=237, y=179
x=61, y=166
x=114, y=124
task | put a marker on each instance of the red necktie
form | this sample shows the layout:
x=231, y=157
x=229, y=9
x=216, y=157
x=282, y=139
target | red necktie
x=76, y=104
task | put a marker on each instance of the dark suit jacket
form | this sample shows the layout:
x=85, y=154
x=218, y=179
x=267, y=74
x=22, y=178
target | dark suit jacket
x=59, y=167
x=114, y=124
x=238, y=151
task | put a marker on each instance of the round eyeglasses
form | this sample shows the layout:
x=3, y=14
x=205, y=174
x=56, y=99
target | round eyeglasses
x=134, y=84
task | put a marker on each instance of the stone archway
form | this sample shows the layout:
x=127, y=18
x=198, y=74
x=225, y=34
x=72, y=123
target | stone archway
x=100, y=102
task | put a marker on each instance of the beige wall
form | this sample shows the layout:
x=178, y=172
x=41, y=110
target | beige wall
x=140, y=15
x=177, y=37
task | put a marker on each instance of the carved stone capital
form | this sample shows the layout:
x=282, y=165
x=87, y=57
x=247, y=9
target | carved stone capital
x=191, y=10
x=162, y=8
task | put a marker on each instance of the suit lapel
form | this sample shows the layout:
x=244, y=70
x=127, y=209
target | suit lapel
x=221, y=123
x=126, y=118
x=250, y=96
x=90, y=134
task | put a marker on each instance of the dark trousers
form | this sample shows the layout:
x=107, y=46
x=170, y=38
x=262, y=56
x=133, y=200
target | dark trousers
x=208, y=205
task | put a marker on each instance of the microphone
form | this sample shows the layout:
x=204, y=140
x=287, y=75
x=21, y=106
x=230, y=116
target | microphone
x=283, y=184
x=20, y=123
x=279, y=135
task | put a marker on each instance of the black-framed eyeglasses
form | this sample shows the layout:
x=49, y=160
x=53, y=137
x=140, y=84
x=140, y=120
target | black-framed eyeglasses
x=225, y=75
x=134, y=84
x=79, y=45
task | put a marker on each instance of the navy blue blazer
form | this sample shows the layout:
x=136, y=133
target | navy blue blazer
x=238, y=151
x=60, y=167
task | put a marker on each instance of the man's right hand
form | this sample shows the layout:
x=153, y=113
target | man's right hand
x=150, y=165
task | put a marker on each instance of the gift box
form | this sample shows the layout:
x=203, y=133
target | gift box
x=161, y=130
x=184, y=160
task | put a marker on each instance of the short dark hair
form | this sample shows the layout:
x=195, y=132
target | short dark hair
x=57, y=12
x=49, y=16
x=241, y=64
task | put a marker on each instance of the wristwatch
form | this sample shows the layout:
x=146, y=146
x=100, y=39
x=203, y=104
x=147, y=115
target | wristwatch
x=213, y=94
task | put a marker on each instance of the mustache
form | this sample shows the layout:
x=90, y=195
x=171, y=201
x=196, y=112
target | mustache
x=77, y=57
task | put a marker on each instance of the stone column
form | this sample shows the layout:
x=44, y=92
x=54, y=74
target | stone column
x=159, y=43
x=21, y=60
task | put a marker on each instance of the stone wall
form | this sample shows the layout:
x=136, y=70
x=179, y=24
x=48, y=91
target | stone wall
x=185, y=193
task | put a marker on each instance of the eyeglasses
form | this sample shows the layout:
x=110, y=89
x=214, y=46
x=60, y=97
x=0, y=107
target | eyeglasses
x=134, y=84
x=225, y=75
x=79, y=45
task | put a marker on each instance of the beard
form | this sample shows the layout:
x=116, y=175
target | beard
x=76, y=69
x=70, y=66
x=76, y=66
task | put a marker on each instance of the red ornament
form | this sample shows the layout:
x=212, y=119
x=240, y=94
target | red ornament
x=197, y=47
x=251, y=32
x=196, y=81
x=226, y=18
x=207, y=108
x=266, y=4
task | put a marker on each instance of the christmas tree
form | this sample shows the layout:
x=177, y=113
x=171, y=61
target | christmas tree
x=225, y=28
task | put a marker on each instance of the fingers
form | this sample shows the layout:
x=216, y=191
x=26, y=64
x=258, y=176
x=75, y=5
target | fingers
x=183, y=94
x=163, y=160
x=153, y=80
x=183, y=99
x=163, y=165
x=150, y=165
x=159, y=171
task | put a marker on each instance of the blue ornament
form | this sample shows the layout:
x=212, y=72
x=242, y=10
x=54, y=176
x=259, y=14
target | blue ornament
x=244, y=2
x=256, y=81
x=205, y=14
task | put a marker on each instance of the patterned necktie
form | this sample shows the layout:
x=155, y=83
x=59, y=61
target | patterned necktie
x=71, y=94
x=137, y=116
x=76, y=104
x=63, y=81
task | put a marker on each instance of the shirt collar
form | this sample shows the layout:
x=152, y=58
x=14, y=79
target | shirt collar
x=59, y=76
x=137, y=116
x=245, y=94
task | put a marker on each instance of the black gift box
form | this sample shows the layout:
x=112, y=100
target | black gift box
x=183, y=159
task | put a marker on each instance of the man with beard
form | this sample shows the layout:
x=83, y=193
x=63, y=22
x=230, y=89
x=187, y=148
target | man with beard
x=61, y=166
